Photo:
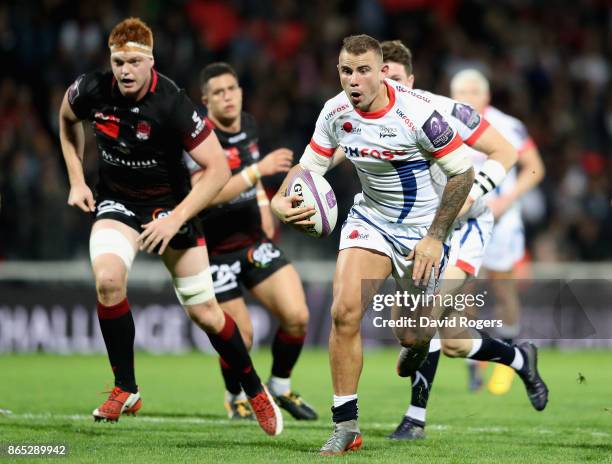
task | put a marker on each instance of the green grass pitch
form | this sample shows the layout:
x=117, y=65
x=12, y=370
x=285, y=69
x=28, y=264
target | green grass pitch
x=183, y=420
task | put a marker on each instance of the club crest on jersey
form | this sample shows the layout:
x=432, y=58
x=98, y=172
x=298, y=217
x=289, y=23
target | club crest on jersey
x=466, y=114
x=143, y=130
x=437, y=130
x=254, y=150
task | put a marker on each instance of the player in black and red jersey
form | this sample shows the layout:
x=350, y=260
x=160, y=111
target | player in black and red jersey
x=241, y=253
x=142, y=122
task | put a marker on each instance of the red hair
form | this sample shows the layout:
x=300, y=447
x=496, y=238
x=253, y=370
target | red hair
x=131, y=30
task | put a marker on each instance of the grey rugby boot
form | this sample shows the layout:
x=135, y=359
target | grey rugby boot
x=346, y=437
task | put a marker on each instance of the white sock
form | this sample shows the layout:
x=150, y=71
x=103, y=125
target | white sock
x=476, y=344
x=518, y=362
x=416, y=413
x=230, y=397
x=279, y=386
x=340, y=400
x=434, y=345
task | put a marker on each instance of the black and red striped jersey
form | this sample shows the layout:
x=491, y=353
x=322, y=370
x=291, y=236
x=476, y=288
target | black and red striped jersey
x=140, y=142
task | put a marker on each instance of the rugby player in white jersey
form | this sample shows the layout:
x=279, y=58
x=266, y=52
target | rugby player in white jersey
x=507, y=244
x=471, y=231
x=392, y=136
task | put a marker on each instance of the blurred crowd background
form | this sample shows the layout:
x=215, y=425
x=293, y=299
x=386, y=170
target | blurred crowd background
x=548, y=62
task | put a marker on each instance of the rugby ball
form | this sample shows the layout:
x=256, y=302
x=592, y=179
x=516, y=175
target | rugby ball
x=317, y=192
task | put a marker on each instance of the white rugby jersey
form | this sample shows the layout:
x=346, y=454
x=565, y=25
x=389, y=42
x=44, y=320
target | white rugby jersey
x=516, y=133
x=392, y=150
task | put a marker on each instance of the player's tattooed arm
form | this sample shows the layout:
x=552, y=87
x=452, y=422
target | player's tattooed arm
x=453, y=198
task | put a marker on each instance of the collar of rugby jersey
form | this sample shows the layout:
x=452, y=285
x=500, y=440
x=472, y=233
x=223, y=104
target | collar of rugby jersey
x=381, y=112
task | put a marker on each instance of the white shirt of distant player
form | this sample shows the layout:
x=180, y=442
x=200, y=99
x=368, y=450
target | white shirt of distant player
x=470, y=126
x=392, y=150
x=516, y=133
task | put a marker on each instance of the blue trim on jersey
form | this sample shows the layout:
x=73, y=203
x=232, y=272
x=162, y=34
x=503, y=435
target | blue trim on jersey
x=405, y=171
x=471, y=222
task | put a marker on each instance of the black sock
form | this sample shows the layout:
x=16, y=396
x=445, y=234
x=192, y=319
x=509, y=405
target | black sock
x=118, y=331
x=422, y=380
x=230, y=378
x=345, y=412
x=285, y=353
x=231, y=348
x=493, y=349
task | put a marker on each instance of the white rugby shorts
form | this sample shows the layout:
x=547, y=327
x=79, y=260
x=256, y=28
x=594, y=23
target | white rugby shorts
x=469, y=242
x=507, y=244
x=363, y=228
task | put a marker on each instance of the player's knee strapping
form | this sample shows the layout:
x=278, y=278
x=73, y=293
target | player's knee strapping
x=194, y=289
x=111, y=241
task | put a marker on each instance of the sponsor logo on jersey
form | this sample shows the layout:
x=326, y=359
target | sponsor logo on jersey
x=143, y=130
x=110, y=206
x=135, y=110
x=262, y=255
x=106, y=117
x=337, y=110
x=161, y=212
x=355, y=234
x=386, y=155
x=73, y=90
x=387, y=132
x=466, y=114
x=419, y=96
x=404, y=117
x=199, y=122
x=437, y=130
x=350, y=129
x=108, y=124
x=117, y=161
x=237, y=138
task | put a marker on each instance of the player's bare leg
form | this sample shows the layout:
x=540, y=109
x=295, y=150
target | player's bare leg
x=507, y=310
x=283, y=295
x=193, y=285
x=345, y=351
x=113, y=246
x=236, y=402
x=478, y=345
x=412, y=425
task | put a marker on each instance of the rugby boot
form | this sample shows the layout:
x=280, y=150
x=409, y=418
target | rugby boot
x=408, y=429
x=239, y=409
x=267, y=412
x=535, y=386
x=295, y=405
x=118, y=402
x=346, y=437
